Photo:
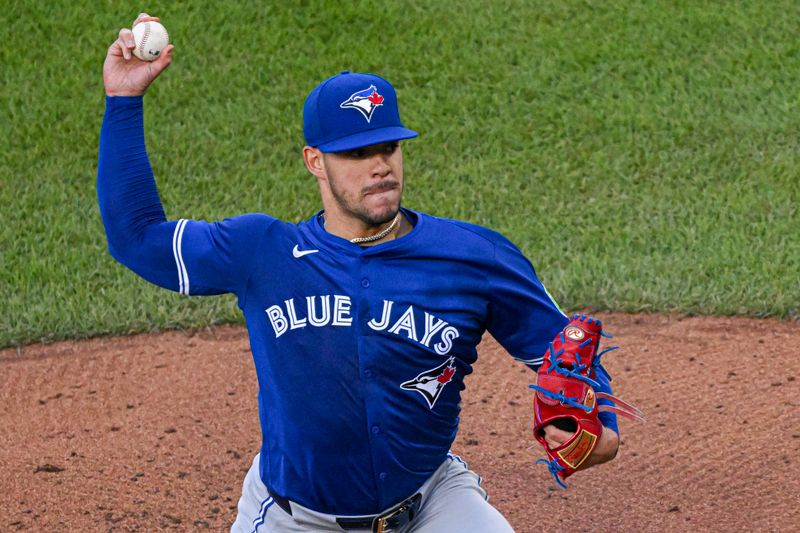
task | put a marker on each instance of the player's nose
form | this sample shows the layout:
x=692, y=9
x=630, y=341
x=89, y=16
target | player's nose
x=380, y=165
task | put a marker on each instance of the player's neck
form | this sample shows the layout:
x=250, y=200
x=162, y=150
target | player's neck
x=358, y=232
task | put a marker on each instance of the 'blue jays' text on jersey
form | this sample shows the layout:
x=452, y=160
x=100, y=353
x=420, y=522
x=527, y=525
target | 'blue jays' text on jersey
x=361, y=352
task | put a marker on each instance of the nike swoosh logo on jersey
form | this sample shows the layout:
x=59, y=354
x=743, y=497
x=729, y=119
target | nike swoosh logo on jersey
x=298, y=253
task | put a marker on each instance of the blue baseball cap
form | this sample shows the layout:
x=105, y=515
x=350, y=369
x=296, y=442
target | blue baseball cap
x=352, y=110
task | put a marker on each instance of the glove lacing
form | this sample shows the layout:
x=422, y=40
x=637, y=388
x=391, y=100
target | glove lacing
x=554, y=468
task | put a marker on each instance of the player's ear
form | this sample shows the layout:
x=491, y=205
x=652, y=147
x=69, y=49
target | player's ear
x=314, y=162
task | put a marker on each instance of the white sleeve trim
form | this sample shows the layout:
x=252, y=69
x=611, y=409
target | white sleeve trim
x=177, y=239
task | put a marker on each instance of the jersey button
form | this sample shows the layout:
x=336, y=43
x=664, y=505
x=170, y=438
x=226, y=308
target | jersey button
x=382, y=475
x=368, y=373
x=365, y=283
x=376, y=429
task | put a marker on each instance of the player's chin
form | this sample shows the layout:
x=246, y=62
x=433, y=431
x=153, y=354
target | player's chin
x=382, y=216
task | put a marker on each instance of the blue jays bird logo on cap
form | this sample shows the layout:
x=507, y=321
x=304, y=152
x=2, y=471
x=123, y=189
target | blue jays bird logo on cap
x=366, y=101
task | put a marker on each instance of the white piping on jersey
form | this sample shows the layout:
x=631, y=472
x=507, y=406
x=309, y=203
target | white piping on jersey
x=539, y=360
x=177, y=239
x=535, y=361
x=555, y=303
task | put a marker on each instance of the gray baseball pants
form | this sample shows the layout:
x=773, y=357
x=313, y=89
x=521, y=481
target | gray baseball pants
x=452, y=502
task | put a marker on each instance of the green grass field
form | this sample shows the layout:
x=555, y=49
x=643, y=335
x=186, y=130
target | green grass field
x=643, y=154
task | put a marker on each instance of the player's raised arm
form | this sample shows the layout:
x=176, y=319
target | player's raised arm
x=192, y=257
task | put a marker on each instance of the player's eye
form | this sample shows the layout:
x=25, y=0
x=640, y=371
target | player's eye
x=357, y=153
x=368, y=151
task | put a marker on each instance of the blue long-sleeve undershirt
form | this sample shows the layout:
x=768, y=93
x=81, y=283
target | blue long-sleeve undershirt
x=136, y=227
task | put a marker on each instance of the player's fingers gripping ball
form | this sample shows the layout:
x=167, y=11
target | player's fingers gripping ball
x=150, y=38
x=567, y=394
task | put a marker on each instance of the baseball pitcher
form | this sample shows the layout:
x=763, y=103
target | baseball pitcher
x=363, y=319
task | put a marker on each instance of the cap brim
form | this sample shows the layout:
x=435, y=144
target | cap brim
x=367, y=138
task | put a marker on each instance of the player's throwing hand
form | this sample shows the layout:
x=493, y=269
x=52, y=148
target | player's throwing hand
x=123, y=73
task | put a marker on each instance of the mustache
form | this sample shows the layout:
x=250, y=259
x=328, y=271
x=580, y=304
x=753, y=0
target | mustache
x=380, y=186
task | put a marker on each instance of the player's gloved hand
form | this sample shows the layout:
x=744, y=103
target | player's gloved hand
x=566, y=407
x=126, y=75
x=605, y=450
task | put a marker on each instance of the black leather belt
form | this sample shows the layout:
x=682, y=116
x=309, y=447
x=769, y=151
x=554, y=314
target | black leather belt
x=398, y=517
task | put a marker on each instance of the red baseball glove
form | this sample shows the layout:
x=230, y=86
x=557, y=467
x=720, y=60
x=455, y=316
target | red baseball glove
x=567, y=394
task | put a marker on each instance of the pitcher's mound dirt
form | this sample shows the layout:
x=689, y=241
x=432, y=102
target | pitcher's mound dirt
x=156, y=432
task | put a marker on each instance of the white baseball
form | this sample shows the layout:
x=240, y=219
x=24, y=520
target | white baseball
x=150, y=39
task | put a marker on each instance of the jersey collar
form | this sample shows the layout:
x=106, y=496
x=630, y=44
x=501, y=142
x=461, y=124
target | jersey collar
x=323, y=238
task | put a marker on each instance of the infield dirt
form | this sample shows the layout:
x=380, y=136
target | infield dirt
x=155, y=432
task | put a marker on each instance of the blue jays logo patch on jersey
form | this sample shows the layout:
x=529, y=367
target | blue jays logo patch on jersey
x=431, y=382
x=366, y=101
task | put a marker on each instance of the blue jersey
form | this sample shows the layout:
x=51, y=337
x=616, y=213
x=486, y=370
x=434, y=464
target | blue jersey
x=361, y=352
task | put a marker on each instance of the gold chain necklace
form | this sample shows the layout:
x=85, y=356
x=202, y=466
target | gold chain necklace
x=378, y=236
